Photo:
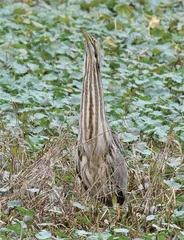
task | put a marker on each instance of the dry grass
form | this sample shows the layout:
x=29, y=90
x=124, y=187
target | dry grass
x=47, y=184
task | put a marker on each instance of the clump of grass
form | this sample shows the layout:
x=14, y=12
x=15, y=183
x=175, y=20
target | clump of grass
x=47, y=184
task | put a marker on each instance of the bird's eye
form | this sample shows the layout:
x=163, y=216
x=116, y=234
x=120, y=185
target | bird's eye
x=94, y=40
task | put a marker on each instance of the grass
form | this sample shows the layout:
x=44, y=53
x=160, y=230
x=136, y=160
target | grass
x=47, y=189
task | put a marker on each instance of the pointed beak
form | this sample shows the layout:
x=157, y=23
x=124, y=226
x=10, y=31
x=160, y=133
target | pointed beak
x=87, y=36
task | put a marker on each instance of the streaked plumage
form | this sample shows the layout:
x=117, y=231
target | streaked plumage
x=99, y=158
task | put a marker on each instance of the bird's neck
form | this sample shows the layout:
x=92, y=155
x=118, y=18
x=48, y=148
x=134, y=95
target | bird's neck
x=92, y=113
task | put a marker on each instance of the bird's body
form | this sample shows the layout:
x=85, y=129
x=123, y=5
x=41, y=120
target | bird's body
x=99, y=157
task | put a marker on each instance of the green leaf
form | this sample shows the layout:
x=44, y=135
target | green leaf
x=172, y=184
x=19, y=68
x=15, y=226
x=82, y=233
x=169, y=55
x=129, y=137
x=32, y=66
x=37, y=24
x=39, y=115
x=43, y=235
x=124, y=9
x=151, y=217
x=179, y=214
x=174, y=162
x=122, y=230
x=45, y=55
x=14, y=203
x=83, y=220
x=50, y=77
x=117, y=237
x=24, y=211
x=79, y=206
x=19, y=11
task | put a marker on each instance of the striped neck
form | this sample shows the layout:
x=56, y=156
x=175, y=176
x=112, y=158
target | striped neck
x=92, y=114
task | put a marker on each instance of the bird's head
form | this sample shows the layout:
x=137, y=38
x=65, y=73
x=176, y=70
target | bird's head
x=92, y=48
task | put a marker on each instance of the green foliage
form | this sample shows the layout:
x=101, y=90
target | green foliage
x=41, y=60
x=43, y=235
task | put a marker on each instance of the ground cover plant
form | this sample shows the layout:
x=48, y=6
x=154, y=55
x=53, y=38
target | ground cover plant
x=41, y=62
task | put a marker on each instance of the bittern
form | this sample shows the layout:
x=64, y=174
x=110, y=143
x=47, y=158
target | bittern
x=99, y=157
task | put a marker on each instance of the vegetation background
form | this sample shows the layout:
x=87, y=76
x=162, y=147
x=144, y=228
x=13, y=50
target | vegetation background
x=41, y=62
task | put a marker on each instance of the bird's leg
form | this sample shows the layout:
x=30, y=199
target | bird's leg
x=117, y=216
